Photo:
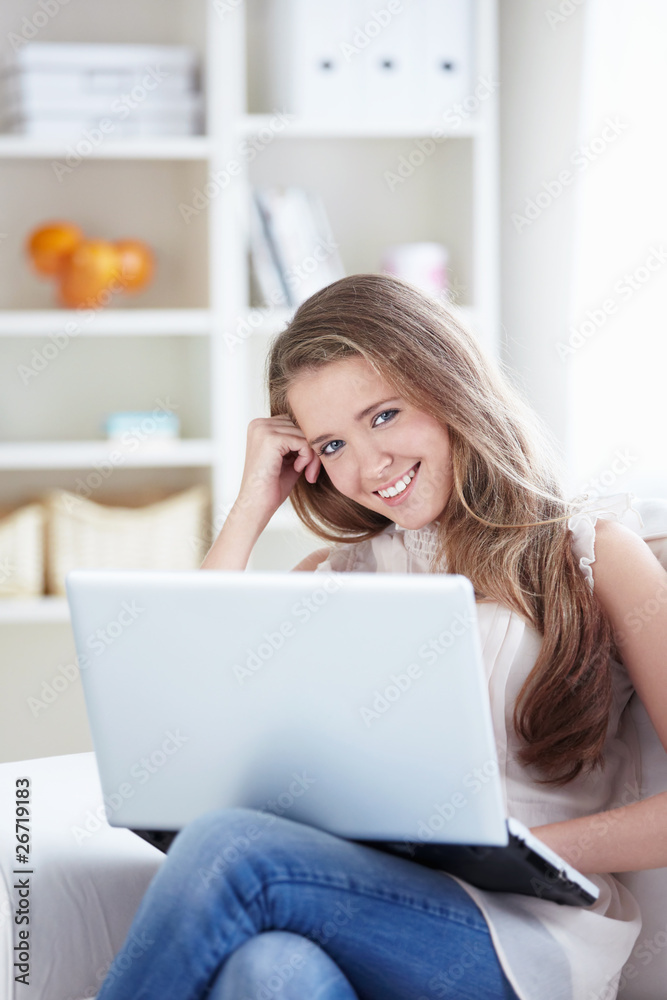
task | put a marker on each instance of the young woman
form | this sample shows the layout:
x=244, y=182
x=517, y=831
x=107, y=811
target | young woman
x=406, y=449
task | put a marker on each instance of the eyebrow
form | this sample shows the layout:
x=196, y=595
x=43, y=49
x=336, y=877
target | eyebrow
x=359, y=416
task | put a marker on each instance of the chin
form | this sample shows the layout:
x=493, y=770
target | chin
x=416, y=518
x=416, y=525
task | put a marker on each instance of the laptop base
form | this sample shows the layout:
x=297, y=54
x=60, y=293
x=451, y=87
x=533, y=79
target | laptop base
x=162, y=839
x=513, y=868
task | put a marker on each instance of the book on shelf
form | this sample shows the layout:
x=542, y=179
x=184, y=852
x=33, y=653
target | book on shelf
x=265, y=263
x=293, y=251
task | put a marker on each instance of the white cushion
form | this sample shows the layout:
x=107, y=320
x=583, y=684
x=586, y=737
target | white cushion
x=645, y=973
x=88, y=880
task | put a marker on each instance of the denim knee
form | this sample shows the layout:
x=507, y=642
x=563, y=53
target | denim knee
x=272, y=957
x=279, y=964
x=218, y=840
x=221, y=822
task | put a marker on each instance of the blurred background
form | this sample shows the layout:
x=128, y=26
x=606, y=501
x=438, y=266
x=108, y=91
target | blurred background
x=178, y=175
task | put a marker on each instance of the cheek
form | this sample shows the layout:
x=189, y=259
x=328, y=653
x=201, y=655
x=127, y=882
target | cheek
x=438, y=455
x=437, y=446
x=336, y=476
x=345, y=480
x=424, y=433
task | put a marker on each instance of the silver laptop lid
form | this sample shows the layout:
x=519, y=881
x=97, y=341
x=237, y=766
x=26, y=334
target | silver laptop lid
x=355, y=702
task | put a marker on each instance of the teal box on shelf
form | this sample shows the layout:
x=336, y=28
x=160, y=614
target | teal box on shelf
x=152, y=424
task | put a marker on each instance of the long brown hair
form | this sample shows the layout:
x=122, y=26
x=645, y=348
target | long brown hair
x=504, y=525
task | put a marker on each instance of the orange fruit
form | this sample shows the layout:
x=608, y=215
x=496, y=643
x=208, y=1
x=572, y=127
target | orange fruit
x=136, y=264
x=90, y=275
x=50, y=244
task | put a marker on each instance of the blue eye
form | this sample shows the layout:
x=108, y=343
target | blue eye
x=325, y=452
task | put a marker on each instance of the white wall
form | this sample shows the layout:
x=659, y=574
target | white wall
x=539, y=94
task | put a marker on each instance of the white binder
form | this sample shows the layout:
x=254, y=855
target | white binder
x=391, y=61
x=446, y=36
x=360, y=61
x=308, y=73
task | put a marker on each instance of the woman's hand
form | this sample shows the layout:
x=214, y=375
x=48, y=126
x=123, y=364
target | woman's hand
x=276, y=454
x=271, y=470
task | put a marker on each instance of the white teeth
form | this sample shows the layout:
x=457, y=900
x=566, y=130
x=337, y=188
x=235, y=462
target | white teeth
x=402, y=484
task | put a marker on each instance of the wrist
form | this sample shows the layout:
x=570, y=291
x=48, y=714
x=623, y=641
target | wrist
x=236, y=539
x=247, y=512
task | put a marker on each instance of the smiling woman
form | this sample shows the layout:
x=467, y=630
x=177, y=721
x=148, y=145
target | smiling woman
x=372, y=384
x=487, y=473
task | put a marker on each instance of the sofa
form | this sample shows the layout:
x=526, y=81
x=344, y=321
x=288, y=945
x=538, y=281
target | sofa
x=85, y=879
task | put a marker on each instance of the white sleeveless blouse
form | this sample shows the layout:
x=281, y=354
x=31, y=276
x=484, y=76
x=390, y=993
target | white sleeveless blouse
x=548, y=951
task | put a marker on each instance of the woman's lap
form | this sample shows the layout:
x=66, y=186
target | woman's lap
x=394, y=929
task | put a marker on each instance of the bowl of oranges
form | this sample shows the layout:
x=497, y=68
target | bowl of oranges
x=88, y=273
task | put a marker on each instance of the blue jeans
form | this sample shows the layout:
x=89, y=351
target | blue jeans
x=251, y=906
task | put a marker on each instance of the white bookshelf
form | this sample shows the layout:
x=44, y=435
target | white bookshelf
x=117, y=322
x=154, y=148
x=252, y=123
x=88, y=454
x=170, y=340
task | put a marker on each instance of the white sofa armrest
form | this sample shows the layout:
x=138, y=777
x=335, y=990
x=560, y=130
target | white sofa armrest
x=86, y=880
x=645, y=973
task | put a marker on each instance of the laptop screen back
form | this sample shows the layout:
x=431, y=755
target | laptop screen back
x=355, y=702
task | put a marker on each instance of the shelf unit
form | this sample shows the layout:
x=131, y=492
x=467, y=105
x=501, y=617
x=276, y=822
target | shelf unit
x=170, y=341
x=229, y=45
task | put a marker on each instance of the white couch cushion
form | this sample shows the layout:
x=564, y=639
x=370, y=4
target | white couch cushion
x=645, y=972
x=88, y=879
x=644, y=975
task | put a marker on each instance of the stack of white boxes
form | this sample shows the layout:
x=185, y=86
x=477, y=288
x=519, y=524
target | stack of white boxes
x=61, y=90
x=369, y=61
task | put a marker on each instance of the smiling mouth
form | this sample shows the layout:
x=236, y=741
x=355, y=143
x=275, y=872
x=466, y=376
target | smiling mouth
x=392, y=492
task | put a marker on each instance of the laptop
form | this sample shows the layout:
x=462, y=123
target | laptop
x=353, y=702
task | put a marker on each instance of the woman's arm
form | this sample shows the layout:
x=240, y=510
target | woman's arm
x=234, y=544
x=631, y=587
x=630, y=838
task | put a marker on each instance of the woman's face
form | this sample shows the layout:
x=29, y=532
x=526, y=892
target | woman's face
x=364, y=451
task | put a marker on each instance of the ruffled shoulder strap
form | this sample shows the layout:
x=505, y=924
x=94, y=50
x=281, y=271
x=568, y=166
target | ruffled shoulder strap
x=618, y=507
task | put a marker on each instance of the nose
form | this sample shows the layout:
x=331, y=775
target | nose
x=374, y=465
